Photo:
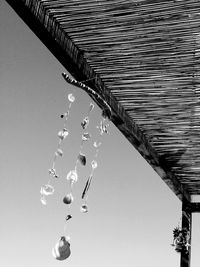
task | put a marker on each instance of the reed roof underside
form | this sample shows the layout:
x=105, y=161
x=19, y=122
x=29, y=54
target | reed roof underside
x=144, y=57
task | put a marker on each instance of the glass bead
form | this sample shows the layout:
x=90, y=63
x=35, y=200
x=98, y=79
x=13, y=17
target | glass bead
x=68, y=217
x=94, y=164
x=103, y=128
x=63, y=134
x=61, y=250
x=52, y=172
x=47, y=190
x=43, y=200
x=97, y=145
x=72, y=176
x=68, y=199
x=84, y=208
x=91, y=107
x=71, y=98
x=85, y=123
x=82, y=159
x=86, y=136
x=65, y=115
x=59, y=152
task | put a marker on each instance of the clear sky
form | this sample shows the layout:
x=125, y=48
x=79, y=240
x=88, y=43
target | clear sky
x=131, y=211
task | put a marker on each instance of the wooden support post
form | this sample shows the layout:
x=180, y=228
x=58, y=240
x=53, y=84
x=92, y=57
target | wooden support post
x=186, y=224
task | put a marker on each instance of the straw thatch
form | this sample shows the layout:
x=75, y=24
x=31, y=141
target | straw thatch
x=144, y=56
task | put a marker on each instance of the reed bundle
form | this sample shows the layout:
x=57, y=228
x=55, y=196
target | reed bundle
x=144, y=57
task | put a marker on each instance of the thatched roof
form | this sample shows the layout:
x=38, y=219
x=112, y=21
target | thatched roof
x=144, y=56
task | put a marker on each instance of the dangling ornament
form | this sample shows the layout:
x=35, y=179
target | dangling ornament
x=47, y=190
x=43, y=200
x=52, y=172
x=86, y=136
x=87, y=186
x=68, y=217
x=103, y=127
x=65, y=115
x=84, y=208
x=59, y=152
x=82, y=159
x=68, y=199
x=63, y=134
x=85, y=123
x=71, y=98
x=96, y=145
x=72, y=176
x=91, y=107
x=61, y=251
x=94, y=164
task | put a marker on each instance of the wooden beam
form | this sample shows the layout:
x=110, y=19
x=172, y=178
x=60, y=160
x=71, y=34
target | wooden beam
x=195, y=207
x=186, y=224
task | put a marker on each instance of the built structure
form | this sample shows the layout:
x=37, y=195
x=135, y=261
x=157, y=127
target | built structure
x=142, y=57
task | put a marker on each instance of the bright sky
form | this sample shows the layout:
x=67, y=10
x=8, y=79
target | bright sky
x=132, y=212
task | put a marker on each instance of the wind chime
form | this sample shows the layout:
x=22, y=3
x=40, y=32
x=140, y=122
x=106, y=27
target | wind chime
x=61, y=251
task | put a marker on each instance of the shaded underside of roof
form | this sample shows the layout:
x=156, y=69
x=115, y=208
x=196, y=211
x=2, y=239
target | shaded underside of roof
x=143, y=57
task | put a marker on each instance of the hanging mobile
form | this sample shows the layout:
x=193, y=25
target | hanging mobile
x=62, y=134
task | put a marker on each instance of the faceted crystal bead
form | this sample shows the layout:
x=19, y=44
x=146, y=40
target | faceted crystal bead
x=72, y=176
x=86, y=136
x=47, y=190
x=59, y=152
x=84, y=208
x=68, y=199
x=85, y=123
x=63, y=134
x=71, y=98
x=43, y=200
x=82, y=159
x=94, y=164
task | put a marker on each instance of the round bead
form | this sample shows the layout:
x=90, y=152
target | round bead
x=68, y=199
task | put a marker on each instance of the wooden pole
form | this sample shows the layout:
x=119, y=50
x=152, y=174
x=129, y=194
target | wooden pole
x=186, y=224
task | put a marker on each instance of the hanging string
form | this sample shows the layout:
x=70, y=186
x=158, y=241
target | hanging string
x=48, y=189
x=102, y=130
x=72, y=176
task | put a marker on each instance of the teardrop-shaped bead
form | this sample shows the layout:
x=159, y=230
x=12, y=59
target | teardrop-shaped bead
x=68, y=199
x=82, y=159
x=68, y=217
x=61, y=251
